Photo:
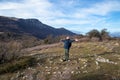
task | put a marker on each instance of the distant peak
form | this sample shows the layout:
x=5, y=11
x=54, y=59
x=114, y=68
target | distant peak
x=11, y=18
x=31, y=20
x=62, y=28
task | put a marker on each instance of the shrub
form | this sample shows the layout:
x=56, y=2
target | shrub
x=17, y=64
x=10, y=51
x=94, y=33
x=51, y=39
x=102, y=35
x=105, y=34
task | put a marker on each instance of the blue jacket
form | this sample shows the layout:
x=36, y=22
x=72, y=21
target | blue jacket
x=67, y=43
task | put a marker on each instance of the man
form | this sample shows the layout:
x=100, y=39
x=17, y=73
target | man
x=67, y=44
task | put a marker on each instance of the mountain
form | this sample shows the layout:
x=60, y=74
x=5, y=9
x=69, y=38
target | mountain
x=78, y=32
x=115, y=34
x=30, y=27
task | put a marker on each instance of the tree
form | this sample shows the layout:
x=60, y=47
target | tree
x=105, y=34
x=49, y=39
x=94, y=33
x=102, y=35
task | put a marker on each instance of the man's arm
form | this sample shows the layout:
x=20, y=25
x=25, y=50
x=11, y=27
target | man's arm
x=62, y=40
x=76, y=39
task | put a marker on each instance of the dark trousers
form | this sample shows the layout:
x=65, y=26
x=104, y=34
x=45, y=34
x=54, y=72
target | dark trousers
x=66, y=54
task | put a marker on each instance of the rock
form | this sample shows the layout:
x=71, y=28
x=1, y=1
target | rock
x=116, y=44
x=54, y=72
x=79, y=72
x=50, y=62
x=85, y=65
x=101, y=59
x=96, y=62
x=65, y=68
x=38, y=64
x=56, y=67
x=85, y=71
x=24, y=77
x=60, y=60
x=77, y=68
x=83, y=60
x=48, y=72
x=46, y=67
x=82, y=67
x=59, y=72
x=72, y=72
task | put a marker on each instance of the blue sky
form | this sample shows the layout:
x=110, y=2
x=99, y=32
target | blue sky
x=75, y=15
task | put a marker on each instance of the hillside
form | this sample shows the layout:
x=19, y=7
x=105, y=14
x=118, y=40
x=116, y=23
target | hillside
x=88, y=61
x=31, y=27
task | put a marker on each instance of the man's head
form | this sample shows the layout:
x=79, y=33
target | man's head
x=67, y=37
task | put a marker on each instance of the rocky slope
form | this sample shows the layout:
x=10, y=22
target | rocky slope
x=88, y=61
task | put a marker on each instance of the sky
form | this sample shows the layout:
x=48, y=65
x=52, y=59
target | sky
x=75, y=15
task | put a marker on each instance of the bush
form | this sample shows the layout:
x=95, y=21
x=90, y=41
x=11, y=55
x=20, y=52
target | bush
x=17, y=65
x=10, y=51
x=105, y=35
x=51, y=39
x=29, y=41
x=102, y=35
x=94, y=33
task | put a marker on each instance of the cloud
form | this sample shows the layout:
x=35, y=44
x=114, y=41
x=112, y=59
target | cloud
x=104, y=8
x=63, y=13
x=9, y=5
x=33, y=7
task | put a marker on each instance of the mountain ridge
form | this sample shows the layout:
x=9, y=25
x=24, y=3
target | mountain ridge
x=30, y=26
x=115, y=34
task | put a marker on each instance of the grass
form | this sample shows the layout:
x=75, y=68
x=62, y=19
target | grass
x=82, y=64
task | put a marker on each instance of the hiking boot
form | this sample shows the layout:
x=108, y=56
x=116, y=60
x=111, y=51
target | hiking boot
x=65, y=60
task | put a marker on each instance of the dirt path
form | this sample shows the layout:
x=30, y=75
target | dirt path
x=41, y=47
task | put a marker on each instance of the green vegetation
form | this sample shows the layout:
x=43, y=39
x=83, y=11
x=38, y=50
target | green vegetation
x=18, y=64
x=102, y=35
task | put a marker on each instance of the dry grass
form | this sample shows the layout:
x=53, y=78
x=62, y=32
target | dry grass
x=83, y=64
